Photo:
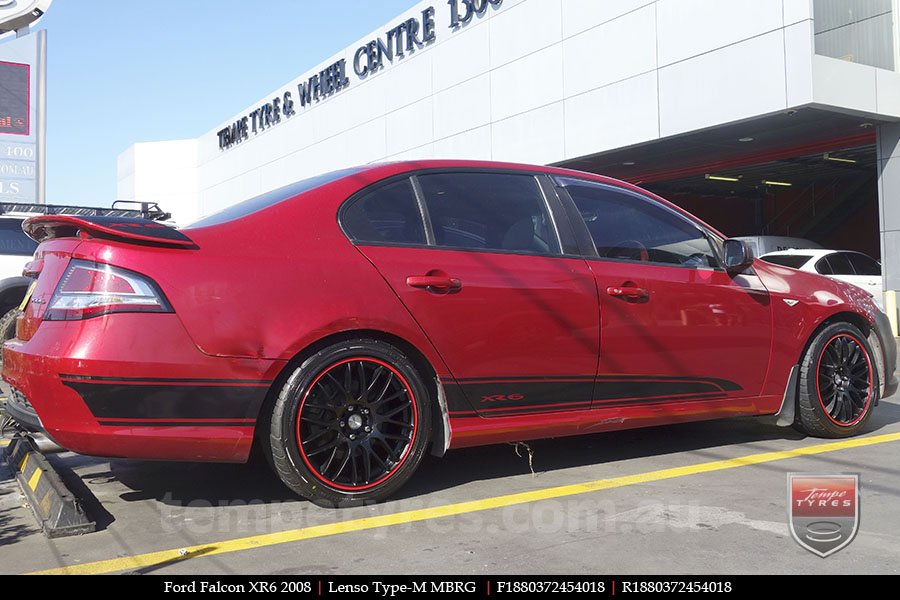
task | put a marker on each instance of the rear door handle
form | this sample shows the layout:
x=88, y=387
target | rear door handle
x=439, y=284
x=628, y=292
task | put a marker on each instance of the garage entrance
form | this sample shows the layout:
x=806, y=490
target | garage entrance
x=808, y=173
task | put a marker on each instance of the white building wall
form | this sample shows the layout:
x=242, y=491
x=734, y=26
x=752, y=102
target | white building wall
x=163, y=172
x=538, y=81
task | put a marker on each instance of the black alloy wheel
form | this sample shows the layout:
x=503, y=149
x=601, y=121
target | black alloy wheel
x=838, y=383
x=351, y=423
x=357, y=423
x=845, y=379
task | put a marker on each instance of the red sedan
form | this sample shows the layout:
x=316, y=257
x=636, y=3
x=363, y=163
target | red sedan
x=352, y=322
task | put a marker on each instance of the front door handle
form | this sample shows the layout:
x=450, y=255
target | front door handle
x=439, y=284
x=628, y=292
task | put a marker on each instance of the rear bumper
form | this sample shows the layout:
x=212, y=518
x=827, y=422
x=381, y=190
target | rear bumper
x=135, y=386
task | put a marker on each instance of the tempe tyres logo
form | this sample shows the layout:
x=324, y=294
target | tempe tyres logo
x=823, y=511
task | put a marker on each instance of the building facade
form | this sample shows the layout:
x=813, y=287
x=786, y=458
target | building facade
x=763, y=117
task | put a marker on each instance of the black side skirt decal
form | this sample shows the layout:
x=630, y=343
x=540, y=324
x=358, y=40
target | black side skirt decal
x=158, y=402
x=502, y=396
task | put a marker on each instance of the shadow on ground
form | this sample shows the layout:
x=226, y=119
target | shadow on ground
x=10, y=531
x=183, y=483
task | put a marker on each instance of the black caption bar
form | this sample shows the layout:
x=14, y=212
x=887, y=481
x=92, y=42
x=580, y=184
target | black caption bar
x=503, y=586
x=482, y=586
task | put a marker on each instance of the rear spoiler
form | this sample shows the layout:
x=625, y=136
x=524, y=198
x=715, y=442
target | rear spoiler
x=124, y=229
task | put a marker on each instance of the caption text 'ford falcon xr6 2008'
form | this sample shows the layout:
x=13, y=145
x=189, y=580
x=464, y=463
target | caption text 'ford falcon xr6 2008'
x=351, y=322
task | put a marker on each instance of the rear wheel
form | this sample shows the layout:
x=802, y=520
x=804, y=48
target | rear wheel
x=351, y=424
x=838, y=383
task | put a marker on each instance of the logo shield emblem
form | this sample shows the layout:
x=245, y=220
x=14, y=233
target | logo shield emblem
x=823, y=511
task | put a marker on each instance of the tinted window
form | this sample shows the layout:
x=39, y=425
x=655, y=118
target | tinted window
x=837, y=264
x=13, y=240
x=387, y=214
x=488, y=211
x=242, y=209
x=863, y=265
x=794, y=261
x=627, y=226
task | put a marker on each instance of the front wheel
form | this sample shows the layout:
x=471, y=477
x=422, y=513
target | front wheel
x=351, y=424
x=838, y=383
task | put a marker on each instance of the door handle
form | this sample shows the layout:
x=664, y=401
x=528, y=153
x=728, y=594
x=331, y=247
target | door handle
x=628, y=292
x=439, y=284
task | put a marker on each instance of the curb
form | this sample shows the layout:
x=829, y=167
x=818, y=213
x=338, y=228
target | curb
x=58, y=511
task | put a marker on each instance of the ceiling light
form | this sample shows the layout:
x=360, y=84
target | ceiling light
x=839, y=159
x=746, y=139
x=781, y=183
x=722, y=178
x=628, y=163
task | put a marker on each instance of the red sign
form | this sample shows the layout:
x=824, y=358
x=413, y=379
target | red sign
x=15, y=99
x=823, y=511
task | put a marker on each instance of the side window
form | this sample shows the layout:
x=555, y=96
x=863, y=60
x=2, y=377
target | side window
x=864, y=265
x=839, y=264
x=627, y=226
x=823, y=267
x=388, y=214
x=488, y=211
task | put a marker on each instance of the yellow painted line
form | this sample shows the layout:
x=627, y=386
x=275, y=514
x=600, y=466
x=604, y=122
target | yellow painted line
x=282, y=537
x=35, y=478
x=24, y=462
x=4, y=443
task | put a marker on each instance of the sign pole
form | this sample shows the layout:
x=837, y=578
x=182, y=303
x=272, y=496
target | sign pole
x=41, y=98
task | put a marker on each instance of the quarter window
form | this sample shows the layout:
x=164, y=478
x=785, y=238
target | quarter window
x=388, y=214
x=627, y=226
x=864, y=265
x=835, y=264
x=488, y=211
x=794, y=261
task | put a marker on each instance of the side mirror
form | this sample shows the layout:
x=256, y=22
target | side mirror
x=738, y=256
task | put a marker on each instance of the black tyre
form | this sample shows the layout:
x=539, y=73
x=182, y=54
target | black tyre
x=838, y=383
x=351, y=424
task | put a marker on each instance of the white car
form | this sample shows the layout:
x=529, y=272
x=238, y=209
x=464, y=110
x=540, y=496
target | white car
x=764, y=244
x=845, y=265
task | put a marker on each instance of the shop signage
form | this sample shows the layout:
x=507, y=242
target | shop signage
x=401, y=40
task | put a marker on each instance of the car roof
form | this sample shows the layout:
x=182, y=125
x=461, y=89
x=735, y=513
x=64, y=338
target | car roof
x=811, y=252
x=373, y=173
x=386, y=169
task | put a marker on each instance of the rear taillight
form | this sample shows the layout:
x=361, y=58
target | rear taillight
x=91, y=289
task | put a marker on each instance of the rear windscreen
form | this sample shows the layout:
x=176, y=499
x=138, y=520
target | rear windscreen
x=242, y=209
x=794, y=261
x=13, y=240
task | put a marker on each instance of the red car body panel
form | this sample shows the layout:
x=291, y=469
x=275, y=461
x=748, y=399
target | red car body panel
x=516, y=317
x=530, y=347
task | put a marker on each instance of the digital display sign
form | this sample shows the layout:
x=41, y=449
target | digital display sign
x=14, y=98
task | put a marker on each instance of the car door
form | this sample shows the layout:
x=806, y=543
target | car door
x=675, y=327
x=515, y=320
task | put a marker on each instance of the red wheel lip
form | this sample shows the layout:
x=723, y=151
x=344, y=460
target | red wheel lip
x=871, y=381
x=406, y=452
